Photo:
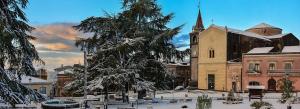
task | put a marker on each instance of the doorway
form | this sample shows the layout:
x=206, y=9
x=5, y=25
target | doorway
x=272, y=84
x=211, y=81
x=234, y=86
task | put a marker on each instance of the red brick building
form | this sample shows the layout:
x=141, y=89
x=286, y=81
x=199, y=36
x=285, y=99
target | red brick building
x=181, y=71
x=63, y=78
x=264, y=67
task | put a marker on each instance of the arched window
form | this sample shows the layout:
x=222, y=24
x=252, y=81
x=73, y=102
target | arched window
x=194, y=39
x=253, y=83
x=211, y=53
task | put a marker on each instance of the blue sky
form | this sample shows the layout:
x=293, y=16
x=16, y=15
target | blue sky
x=53, y=19
x=239, y=14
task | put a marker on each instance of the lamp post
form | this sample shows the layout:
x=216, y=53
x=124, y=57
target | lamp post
x=85, y=69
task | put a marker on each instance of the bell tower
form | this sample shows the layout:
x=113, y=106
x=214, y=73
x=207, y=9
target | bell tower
x=194, y=37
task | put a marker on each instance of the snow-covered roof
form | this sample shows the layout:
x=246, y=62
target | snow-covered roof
x=276, y=36
x=261, y=50
x=264, y=25
x=178, y=64
x=255, y=87
x=241, y=32
x=286, y=49
x=66, y=71
x=32, y=80
x=252, y=34
x=63, y=68
x=290, y=49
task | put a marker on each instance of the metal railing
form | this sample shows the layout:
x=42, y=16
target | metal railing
x=280, y=72
x=254, y=72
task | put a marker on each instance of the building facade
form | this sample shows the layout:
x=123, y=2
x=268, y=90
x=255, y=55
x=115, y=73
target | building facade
x=40, y=85
x=63, y=78
x=42, y=74
x=234, y=76
x=216, y=52
x=182, y=73
x=266, y=68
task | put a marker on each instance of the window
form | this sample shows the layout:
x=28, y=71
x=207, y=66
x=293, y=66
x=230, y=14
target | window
x=43, y=90
x=251, y=67
x=256, y=67
x=253, y=83
x=272, y=66
x=288, y=66
x=211, y=53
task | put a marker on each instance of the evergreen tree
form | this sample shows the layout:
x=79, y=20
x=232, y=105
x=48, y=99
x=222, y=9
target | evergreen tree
x=286, y=86
x=130, y=48
x=16, y=53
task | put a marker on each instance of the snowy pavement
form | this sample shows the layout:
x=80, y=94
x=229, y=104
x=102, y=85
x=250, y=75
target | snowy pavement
x=216, y=104
x=165, y=96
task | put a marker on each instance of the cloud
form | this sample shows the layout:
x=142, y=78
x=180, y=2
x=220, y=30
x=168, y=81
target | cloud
x=57, y=36
x=182, y=42
x=56, y=44
x=55, y=47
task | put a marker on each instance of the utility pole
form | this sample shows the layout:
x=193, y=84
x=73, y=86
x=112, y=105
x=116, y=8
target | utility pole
x=85, y=69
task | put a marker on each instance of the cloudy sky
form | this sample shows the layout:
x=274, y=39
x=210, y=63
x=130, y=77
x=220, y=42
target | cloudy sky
x=53, y=20
x=55, y=44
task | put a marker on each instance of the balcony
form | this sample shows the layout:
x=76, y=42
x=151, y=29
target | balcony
x=254, y=72
x=282, y=72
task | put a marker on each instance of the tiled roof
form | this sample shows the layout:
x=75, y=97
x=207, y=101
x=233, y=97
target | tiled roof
x=250, y=34
x=263, y=25
x=261, y=50
x=241, y=32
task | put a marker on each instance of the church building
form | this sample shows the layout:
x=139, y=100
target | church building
x=216, y=52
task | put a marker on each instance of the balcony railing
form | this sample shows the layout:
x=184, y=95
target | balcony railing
x=280, y=72
x=254, y=72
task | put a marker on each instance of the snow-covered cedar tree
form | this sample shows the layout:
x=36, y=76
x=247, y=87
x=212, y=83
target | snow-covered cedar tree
x=16, y=53
x=128, y=49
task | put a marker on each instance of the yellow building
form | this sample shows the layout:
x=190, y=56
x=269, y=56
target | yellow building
x=42, y=86
x=212, y=64
x=216, y=52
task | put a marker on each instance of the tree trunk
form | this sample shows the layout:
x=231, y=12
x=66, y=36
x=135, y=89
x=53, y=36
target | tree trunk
x=106, y=94
x=2, y=63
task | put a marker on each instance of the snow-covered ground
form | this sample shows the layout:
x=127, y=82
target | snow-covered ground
x=180, y=96
x=216, y=104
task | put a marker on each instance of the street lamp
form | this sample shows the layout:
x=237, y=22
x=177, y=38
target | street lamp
x=85, y=69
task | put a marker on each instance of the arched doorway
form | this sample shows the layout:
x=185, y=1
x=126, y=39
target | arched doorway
x=272, y=84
